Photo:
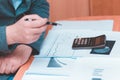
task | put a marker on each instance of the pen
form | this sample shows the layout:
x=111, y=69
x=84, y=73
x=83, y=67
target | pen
x=48, y=23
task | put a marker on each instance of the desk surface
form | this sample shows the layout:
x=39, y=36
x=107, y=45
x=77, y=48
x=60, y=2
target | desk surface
x=116, y=27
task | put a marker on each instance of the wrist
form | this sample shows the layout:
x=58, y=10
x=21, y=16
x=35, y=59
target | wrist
x=10, y=35
x=33, y=50
x=25, y=48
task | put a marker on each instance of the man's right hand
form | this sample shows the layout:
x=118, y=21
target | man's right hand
x=26, y=31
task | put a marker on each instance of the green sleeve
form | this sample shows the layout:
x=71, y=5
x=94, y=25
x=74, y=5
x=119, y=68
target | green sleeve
x=40, y=7
x=3, y=42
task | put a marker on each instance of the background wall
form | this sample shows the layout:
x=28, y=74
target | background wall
x=104, y=7
x=63, y=9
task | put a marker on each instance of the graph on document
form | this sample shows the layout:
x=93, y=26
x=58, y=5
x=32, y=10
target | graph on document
x=62, y=46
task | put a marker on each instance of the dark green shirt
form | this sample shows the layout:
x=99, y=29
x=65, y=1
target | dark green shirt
x=8, y=16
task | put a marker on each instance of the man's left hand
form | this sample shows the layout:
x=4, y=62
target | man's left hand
x=12, y=62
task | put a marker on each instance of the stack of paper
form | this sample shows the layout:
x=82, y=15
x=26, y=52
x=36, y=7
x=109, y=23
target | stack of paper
x=58, y=61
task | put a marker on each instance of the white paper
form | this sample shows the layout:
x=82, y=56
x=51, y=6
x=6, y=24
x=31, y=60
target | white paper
x=50, y=68
x=61, y=43
x=106, y=25
x=66, y=65
x=95, y=68
x=85, y=68
x=45, y=77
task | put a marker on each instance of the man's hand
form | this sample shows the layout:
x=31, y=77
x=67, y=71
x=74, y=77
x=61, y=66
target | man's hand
x=26, y=31
x=11, y=63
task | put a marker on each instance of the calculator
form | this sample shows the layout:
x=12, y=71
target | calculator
x=89, y=42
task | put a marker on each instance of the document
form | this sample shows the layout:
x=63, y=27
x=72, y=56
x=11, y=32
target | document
x=84, y=68
x=50, y=69
x=106, y=25
x=97, y=68
x=57, y=59
x=45, y=77
x=58, y=43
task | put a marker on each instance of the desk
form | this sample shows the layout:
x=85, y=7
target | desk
x=116, y=27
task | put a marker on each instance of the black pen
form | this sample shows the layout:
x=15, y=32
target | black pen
x=48, y=23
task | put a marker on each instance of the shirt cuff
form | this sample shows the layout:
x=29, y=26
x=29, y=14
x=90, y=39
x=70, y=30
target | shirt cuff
x=3, y=41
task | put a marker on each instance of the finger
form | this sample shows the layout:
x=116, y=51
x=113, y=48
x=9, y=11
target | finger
x=38, y=23
x=32, y=16
x=3, y=66
x=38, y=30
x=2, y=69
x=13, y=69
x=35, y=23
x=8, y=68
